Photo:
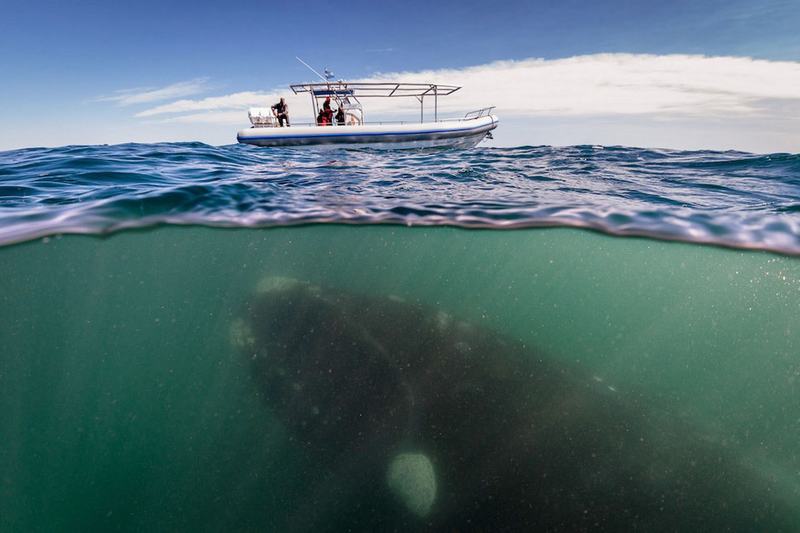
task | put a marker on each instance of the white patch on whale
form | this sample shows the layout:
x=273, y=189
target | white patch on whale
x=443, y=320
x=276, y=283
x=269, y=284
x=412, y=480
x=241, y=335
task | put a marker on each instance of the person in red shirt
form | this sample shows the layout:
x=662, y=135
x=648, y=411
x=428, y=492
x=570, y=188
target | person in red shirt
x=327, y=112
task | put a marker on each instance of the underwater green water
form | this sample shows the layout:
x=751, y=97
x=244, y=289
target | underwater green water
x=124, y=406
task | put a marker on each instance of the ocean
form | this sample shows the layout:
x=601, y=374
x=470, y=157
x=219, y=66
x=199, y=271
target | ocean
x=185, y=329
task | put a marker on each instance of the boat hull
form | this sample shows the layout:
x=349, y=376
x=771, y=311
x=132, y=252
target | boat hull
x=461, y=134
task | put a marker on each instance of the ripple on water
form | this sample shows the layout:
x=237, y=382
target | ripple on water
x=726, y=198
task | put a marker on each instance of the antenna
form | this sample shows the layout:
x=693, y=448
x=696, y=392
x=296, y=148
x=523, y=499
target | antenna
x=323, y=78
x=327, y=78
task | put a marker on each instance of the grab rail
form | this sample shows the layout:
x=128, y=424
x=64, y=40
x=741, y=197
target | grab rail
x=478, y=113
x=469, y=116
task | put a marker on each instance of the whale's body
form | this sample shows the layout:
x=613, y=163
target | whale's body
x=417, y=421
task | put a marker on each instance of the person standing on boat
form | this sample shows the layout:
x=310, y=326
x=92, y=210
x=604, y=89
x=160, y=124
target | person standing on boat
x=327, y=112
x=340, y=115
x=281, y=112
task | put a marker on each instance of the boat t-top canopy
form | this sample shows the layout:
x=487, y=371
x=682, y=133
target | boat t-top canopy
x=373, y=89
x=346, y=90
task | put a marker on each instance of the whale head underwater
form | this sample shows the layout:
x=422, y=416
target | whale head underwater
x=415, y=420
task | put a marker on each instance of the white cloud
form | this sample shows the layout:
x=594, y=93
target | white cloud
x=600, y=85
x=619, y=84
x=208, y=117
x=127, y=97
x=241, y=100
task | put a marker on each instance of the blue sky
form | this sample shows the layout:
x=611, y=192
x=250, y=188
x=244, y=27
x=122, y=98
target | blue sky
x=64, y=62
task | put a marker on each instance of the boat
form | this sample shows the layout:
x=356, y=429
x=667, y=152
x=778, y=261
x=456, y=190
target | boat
x=355, y=132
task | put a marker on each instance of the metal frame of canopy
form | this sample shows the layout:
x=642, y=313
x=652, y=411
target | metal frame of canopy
x=344, y=90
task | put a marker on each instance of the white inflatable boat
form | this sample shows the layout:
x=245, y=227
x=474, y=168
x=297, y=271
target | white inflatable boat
x=352, y=131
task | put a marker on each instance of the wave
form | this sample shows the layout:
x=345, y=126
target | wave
x=733, y=199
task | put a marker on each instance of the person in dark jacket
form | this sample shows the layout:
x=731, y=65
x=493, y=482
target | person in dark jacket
x=281, y=112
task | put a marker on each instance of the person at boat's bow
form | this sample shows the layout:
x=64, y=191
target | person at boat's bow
x=281, y=112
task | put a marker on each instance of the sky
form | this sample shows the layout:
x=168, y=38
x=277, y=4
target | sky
x=701, y=74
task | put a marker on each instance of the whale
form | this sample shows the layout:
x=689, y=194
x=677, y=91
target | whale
x=412, y=419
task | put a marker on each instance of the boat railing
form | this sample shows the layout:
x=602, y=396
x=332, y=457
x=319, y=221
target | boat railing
x=478, y=113
x=367, y=123
x=472, y=115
